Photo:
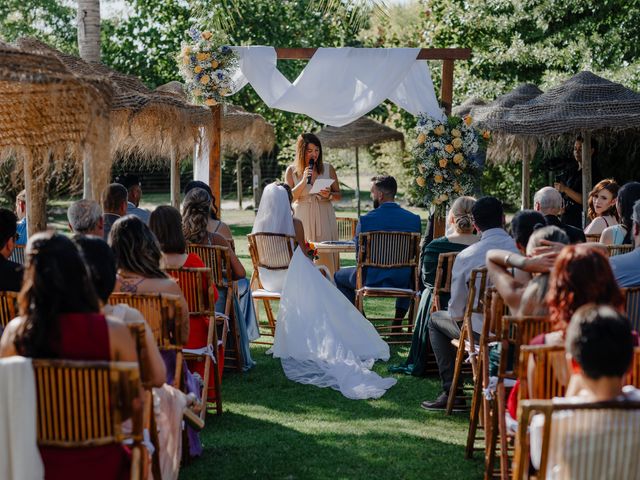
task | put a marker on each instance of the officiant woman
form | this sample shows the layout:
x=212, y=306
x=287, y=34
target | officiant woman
x=315, y=210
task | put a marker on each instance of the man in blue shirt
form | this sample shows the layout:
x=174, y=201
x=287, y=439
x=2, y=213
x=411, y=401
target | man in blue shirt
x=134, y=194
x=626, y=268
x=387, y=216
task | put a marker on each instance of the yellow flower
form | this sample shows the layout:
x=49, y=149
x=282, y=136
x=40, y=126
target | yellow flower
x=197, y=92
x=486, y=134
x=210, y=102
x=456, y=133
x=456, y=187
x=448, y=148
x=197, y=69
x=457, y=158
x=443, y=162
x=444, y=197
x=421, y=181
x=457, y=171
x=438, y=178
x=457, y=143
x=422, y=138
x=439, y=130
x=206, y=35
x=202, y=56
x=204, y=80
x=214, y=64
x=468, y=119
x=186, y=51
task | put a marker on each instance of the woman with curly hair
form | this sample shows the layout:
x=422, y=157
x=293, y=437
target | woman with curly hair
x=602, y=206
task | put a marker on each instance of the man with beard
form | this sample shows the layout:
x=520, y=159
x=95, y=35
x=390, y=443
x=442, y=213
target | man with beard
x=387, y=216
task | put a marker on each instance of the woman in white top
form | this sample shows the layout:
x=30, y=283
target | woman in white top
x=602, y=206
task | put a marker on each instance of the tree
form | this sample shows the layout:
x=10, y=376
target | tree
x=88, y=21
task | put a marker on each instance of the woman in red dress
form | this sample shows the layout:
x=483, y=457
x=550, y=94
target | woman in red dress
x=60, y=318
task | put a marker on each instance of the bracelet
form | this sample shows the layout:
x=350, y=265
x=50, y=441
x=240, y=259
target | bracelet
x=506, y=259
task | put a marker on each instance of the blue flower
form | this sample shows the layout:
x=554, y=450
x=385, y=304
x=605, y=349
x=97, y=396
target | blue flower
x=193, y=59
x=194, y=33
x=220, y=75
x=225, y=49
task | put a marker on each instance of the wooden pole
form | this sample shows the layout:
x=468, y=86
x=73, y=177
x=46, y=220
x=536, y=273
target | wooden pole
x=526, y=174
x=446, y=87
x=358, y=180
x=214, y=156
x=36, y=199
x=239, y=180
x=586, y=174
x=175, y=180
x=87, y=190
x=257, y=180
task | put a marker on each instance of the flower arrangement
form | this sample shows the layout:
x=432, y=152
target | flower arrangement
x=207, y=65
x=444, y=167
x=312, y=251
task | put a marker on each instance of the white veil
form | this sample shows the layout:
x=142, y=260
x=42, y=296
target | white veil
x=274, y=214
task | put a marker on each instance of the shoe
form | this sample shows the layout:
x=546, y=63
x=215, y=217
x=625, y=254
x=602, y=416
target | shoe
x=440, y=403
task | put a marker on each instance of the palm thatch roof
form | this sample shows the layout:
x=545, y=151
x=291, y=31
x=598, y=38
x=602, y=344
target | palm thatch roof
x=584, y=102
x=362, y=132
x=465, y=107
x=46, y=114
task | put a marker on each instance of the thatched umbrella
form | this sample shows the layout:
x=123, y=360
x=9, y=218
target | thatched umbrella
x=145, y=123
x=583, y=104
x=47, y=113
x=465, y=107
x=507, y=145
x=361, y=133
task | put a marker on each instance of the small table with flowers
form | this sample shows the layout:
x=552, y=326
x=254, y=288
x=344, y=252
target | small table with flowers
x=336, y=246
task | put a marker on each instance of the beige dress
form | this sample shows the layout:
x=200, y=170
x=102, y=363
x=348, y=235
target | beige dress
x=319, y=219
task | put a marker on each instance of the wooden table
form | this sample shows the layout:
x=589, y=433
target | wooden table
x=336, y=248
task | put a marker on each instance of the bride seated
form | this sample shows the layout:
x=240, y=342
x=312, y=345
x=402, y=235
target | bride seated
x=321, y=338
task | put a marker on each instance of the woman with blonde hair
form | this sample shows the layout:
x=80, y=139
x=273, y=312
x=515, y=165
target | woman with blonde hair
x=461, y=236
x=602, y=206
x=314, y=210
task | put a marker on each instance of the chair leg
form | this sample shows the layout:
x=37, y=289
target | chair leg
x=234, y=319
x=502, y=432
x=457, y=372
x=474, y=416
x=491, y=429
x=270, y=317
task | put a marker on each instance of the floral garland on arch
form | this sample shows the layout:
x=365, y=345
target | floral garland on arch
x=444, y=165
x=207, y=65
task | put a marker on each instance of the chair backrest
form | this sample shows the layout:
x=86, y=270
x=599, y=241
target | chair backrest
x=163, y=313
x=619, y=249
x=388, y=250
x=516, y=332
x=218, y=259
x=346, y=228
x=581, y=440
x=8, y=307
x=592, y=237
x=83, y=404
x=272, y=251
x=197, y=288
x=17, y=255
x=442, y=282
x=494, y=310
x=632, y=306
x=546, y=367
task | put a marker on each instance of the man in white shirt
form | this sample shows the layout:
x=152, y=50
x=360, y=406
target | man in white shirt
x=488, y=218
x=626, y=268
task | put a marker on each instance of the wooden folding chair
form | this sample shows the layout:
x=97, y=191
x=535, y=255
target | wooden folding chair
x=83, y=404
x=592, y=237
x=494, y=310
x=516, y=331
x=17, y=255
x=619, y=249
x=346, y=228
x=8, y=307
x=466, y=344
x=197, y=288
x=218, y=259
x=589, y=441
x=389, y=250
x=270, y=251
x=442, y=282
x=632, y=306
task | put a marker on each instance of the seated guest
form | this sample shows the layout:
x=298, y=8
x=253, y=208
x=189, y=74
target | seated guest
x=462, y=236
x=85, y=218
x=166, y=223
x=60, y=318
x=548, y=201
x=488, y=219
x=134, y=193
x=21, y=213
x=214, y=224
x=10, y=272
x=602, y=207
x=386, y=216
x=599, y=345
x=114, y=203
x=626, y=267
x=621, y=234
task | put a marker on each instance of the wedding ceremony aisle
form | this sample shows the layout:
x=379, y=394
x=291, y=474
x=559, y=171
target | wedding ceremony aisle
x=278, y=429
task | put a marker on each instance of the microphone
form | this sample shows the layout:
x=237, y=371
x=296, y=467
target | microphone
x=311, y=163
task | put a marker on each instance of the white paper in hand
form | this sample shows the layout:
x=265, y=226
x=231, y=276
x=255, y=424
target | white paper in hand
x=320, y=184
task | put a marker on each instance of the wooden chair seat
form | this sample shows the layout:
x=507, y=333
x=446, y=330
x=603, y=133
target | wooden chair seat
x=387, y=292
x=261, y=293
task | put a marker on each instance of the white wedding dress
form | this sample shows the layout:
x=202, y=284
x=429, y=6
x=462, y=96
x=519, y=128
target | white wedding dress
x=321, y=338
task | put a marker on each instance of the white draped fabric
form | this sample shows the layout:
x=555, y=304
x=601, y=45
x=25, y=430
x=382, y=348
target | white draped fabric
x=339, y=85
x=323, y=340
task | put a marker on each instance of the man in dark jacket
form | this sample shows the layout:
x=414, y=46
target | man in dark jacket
x=10, y=272
x=548, y=201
